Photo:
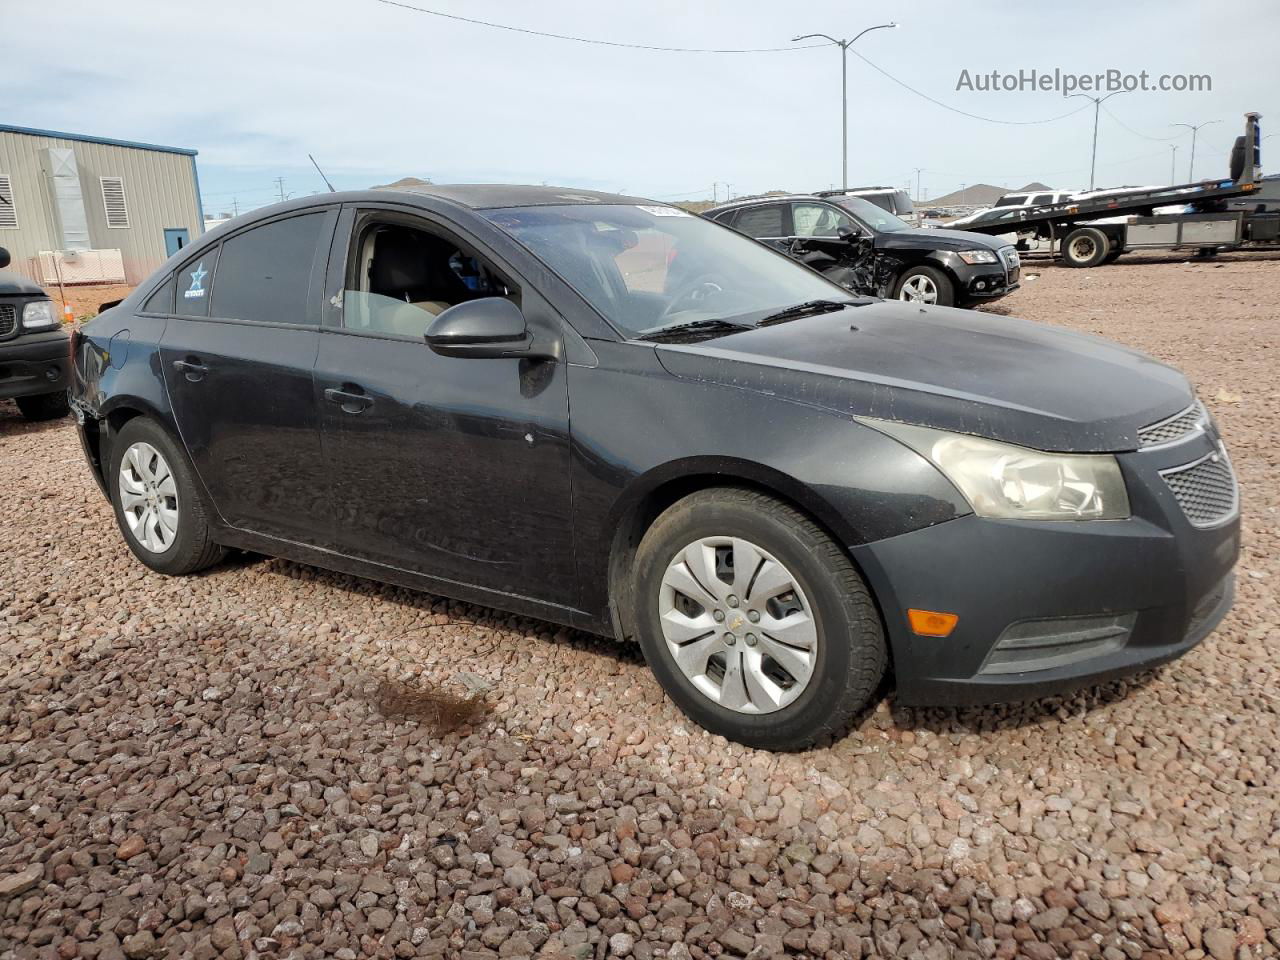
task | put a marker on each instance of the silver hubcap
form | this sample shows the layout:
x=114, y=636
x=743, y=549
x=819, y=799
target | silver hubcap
x=738, y=625
x=919, y=289
x=149, y=497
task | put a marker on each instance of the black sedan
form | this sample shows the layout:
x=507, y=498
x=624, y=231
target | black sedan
x=870, y=251
x=614, y=415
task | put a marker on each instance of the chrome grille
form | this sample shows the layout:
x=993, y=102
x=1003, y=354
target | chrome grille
x=1206, y=490
x=1174, y=428
x=1010, y=257
x=8, y=319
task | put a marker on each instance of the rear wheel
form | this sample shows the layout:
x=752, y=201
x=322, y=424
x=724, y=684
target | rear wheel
x=925, y=285
x=1085, y=247
x=156, y=504
x=46, y=406
x=754, y=621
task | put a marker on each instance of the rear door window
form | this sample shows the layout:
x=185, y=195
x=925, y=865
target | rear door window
x=194, y=281
x=265, y=273
x=902, y=205
x=766, y=220
x=1040, y=198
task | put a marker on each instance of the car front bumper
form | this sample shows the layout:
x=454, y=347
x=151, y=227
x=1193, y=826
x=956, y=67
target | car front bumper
x=34, y=363
x=1045, y=607
x=987, y=281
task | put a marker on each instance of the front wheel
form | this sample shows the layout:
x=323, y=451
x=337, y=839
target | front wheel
x=926, y=285
x=46, y=406
x=754, y=621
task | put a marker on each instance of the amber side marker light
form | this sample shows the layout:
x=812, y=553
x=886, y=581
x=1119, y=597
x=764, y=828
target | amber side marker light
x=930, y=623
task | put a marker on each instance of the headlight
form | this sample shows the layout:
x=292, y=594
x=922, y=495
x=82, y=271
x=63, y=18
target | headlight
x=977, y=256
x=1017, y=483
x=39, y=314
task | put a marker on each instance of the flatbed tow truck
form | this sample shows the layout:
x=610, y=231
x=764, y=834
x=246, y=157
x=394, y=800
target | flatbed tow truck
x=1092, y=231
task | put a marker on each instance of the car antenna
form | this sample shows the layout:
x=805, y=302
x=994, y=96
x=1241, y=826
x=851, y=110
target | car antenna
x=321, y=172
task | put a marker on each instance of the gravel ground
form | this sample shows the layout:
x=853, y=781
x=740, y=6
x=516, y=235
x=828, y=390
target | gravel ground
x=272, y=760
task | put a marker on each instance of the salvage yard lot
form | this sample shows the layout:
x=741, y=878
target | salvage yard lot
x=270, y=758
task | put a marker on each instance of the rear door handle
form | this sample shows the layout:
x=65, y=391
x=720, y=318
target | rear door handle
x=194, y=370
x=350, y=402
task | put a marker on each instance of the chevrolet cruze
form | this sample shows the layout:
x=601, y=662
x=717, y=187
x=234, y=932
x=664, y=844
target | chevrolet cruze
x=608, y=413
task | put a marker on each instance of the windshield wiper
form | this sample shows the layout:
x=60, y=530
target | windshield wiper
x=695, y=326
x=806, y=309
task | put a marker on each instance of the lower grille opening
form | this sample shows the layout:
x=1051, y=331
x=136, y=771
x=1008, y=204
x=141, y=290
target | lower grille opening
x=1044, y=644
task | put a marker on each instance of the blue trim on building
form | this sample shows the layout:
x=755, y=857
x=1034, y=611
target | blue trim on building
x=195, y=175
x=84, y=138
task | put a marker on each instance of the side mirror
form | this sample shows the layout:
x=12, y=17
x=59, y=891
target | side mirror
x=847, y=233
x=4, y=258
x=488, y=328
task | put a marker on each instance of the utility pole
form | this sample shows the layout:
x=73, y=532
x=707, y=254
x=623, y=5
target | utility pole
x=964, y=194
x=918, y=171
x=235, y=206
x=280, y=188
x=1193, y=127
x=844, y=46
x=1097, y=105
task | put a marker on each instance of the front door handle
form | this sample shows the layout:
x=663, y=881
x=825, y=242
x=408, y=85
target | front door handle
x=194, y=370
x=350, y=402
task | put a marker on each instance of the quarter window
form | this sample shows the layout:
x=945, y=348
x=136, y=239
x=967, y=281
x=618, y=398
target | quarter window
x=160, y=301
x=762, y=221
x=264, y=274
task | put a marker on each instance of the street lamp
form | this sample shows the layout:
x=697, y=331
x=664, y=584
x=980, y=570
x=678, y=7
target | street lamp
x=1193, y=127
x=844, y=46
x=1097, y=104
x=1173, y=164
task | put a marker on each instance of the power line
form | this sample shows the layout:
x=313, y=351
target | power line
x=602, y=43
x=1136, y=133
x=947, y=106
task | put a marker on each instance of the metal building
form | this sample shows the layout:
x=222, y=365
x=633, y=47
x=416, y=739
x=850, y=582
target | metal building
x=80, y=209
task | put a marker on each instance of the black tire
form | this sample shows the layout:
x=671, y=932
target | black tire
x=193, y=547
x=1237, y=158
x=1085, y=247
x=946, y=296
x=45, y=406
x=851, y=652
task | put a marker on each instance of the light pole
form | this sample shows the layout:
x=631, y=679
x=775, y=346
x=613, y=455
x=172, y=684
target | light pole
x=844, y=46
x=1173, y=164
x=1097, y=105
x=1193, y=127
x=918, y=171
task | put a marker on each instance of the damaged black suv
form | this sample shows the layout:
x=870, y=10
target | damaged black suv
x=868, y=250
x=34, y=350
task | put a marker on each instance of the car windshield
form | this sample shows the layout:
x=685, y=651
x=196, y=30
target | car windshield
x=881, y=221
x=649, y=268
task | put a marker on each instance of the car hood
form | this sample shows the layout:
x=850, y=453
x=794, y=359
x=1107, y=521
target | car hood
x=938, y=238
x=16, y=284
x=976, y=373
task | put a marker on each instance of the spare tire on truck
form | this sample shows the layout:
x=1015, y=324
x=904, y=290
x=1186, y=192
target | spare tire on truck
x=1085, y=247
x=1237, y=159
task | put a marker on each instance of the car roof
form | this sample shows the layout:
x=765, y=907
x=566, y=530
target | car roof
x=771, y=198
x=484, y=196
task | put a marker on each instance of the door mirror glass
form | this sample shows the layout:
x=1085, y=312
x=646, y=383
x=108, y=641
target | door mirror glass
x=4, y=258
x=488, y=327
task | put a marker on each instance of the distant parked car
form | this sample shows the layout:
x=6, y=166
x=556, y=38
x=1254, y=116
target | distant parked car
x=33, y=348
x=934, y=266
x=1040, y=198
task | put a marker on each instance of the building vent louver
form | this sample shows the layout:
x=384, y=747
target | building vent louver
x=68, y=201
x=113, y=202
x=8, y=207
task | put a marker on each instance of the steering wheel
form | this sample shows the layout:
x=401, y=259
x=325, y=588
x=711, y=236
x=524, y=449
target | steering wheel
x=694, y=294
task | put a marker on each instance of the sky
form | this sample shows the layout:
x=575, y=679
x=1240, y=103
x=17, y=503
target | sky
x=378, y=92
